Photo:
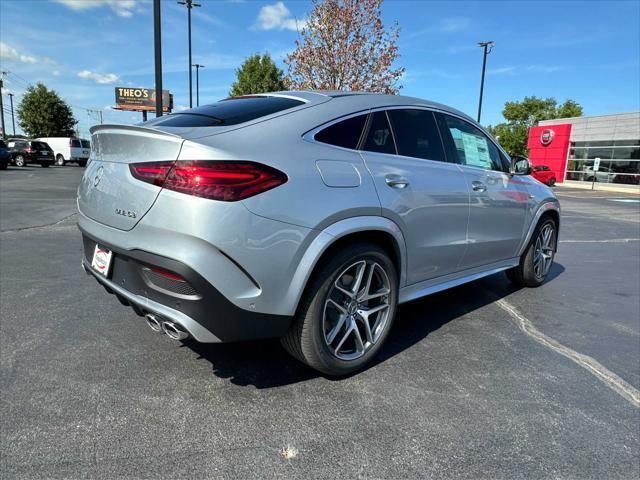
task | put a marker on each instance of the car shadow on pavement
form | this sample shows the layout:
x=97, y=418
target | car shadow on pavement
x=265, y=364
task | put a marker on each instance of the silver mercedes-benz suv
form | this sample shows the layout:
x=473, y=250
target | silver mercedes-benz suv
x=307, y=216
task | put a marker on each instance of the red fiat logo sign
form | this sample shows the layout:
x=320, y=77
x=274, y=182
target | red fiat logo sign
x=547, y=136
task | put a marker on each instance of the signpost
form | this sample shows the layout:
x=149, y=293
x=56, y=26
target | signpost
x=141, y=100
x=596, y=167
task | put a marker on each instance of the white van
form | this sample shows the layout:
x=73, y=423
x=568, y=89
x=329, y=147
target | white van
x=69, y=149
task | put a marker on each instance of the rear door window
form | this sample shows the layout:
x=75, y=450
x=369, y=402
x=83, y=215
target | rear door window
x=379, y=137
x=86, y=144
x=231, y=111
x=416, y=134
x=344, y=134
x=471, y=147
x=76, y=143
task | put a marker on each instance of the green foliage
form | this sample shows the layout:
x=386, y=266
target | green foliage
x=520, y=116
x=257, y=74
x=512, y=137
x=42, y=113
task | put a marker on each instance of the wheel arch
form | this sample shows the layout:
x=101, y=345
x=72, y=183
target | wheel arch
x=370, y=229
x=549, y=208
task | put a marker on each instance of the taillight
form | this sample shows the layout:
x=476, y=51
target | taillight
x=228, y=181
x=151, y=172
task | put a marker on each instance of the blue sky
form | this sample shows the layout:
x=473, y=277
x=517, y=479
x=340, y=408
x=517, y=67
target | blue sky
x=588, y=51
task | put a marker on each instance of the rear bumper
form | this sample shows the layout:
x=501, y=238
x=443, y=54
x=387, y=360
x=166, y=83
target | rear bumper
x=202, y=310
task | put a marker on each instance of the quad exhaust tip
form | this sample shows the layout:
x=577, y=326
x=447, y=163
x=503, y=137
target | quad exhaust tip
x=153, y=322
x=173, y=330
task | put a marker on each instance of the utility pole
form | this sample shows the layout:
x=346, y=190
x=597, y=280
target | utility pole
x=488, y=47
x=198, y=67
x=13, y=122
x=190, y=5
x=157, y=40
x=2, y=74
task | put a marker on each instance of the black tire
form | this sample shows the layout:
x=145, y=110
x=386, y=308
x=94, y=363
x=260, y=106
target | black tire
x=4, y=165
x=306, y=338
x=524, y=275
x=552, y=181
x=82, y=163
x=44, y=165
x=60, y=161
x=20, y=161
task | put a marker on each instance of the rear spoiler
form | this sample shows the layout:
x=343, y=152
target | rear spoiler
x=113, y=128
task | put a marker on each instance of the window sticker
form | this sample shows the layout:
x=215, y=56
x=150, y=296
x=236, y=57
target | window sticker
x=476, y=150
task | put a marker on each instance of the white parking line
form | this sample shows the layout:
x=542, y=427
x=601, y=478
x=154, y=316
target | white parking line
x=609, y=240
x=606, y=376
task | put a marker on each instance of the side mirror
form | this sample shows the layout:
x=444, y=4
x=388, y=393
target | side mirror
x=521, y=166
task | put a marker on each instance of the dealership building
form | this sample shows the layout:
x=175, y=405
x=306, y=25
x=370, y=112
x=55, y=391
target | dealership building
x=571, y=148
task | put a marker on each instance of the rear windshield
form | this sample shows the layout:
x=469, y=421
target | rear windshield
x=75, y=143
x=231, y=111
x=86, y=144
x=40, y=145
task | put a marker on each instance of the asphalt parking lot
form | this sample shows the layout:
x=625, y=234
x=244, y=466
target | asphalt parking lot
x=482, y=381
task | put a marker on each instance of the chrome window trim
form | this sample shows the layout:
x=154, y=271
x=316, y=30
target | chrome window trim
x=309, y=135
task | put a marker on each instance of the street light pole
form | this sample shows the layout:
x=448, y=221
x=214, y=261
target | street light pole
x=157, y=40
x=198, y=67
x=4, y=133
x=13, y=122
x=190, y=5
x=488, y=47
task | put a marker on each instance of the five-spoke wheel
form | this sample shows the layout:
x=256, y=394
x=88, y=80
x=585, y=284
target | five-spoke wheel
x=356, y=310
x=347, y=311
x=537, y=259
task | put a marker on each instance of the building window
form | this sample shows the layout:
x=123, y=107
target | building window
x=619, y=161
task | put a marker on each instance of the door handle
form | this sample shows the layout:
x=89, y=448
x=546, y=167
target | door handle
x=478, y=186
x=396, y=181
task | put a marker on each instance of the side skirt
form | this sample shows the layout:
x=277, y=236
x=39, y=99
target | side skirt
x=434, y=285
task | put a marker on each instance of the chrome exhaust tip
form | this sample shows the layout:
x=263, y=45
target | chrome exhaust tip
x=153, y=322
x=174, y=331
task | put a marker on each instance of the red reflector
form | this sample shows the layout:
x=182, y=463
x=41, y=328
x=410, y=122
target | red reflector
x=172, y=276
x=227, y=181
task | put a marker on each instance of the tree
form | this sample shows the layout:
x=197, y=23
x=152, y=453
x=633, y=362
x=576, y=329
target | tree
x=521, y=116
x=257, y=74
x=42, y=113
x=344, y=46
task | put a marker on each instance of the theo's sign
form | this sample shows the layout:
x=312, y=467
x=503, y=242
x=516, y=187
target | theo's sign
x=140, y=99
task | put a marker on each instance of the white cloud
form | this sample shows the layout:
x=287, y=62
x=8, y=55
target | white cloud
x=180, y=108
x=276, y=17
x=99, y=77
x=502, y=70
x=7, y=52
x=123, y=8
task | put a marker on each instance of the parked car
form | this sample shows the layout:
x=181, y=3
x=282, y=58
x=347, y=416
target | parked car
x=544, y=174
x=5, y=155
x=69, y=149
x=24, y=152
x=603, y=174
x=307, y=216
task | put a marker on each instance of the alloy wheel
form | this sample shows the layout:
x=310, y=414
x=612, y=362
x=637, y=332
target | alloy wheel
x=356, y=310
x=544, y=251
